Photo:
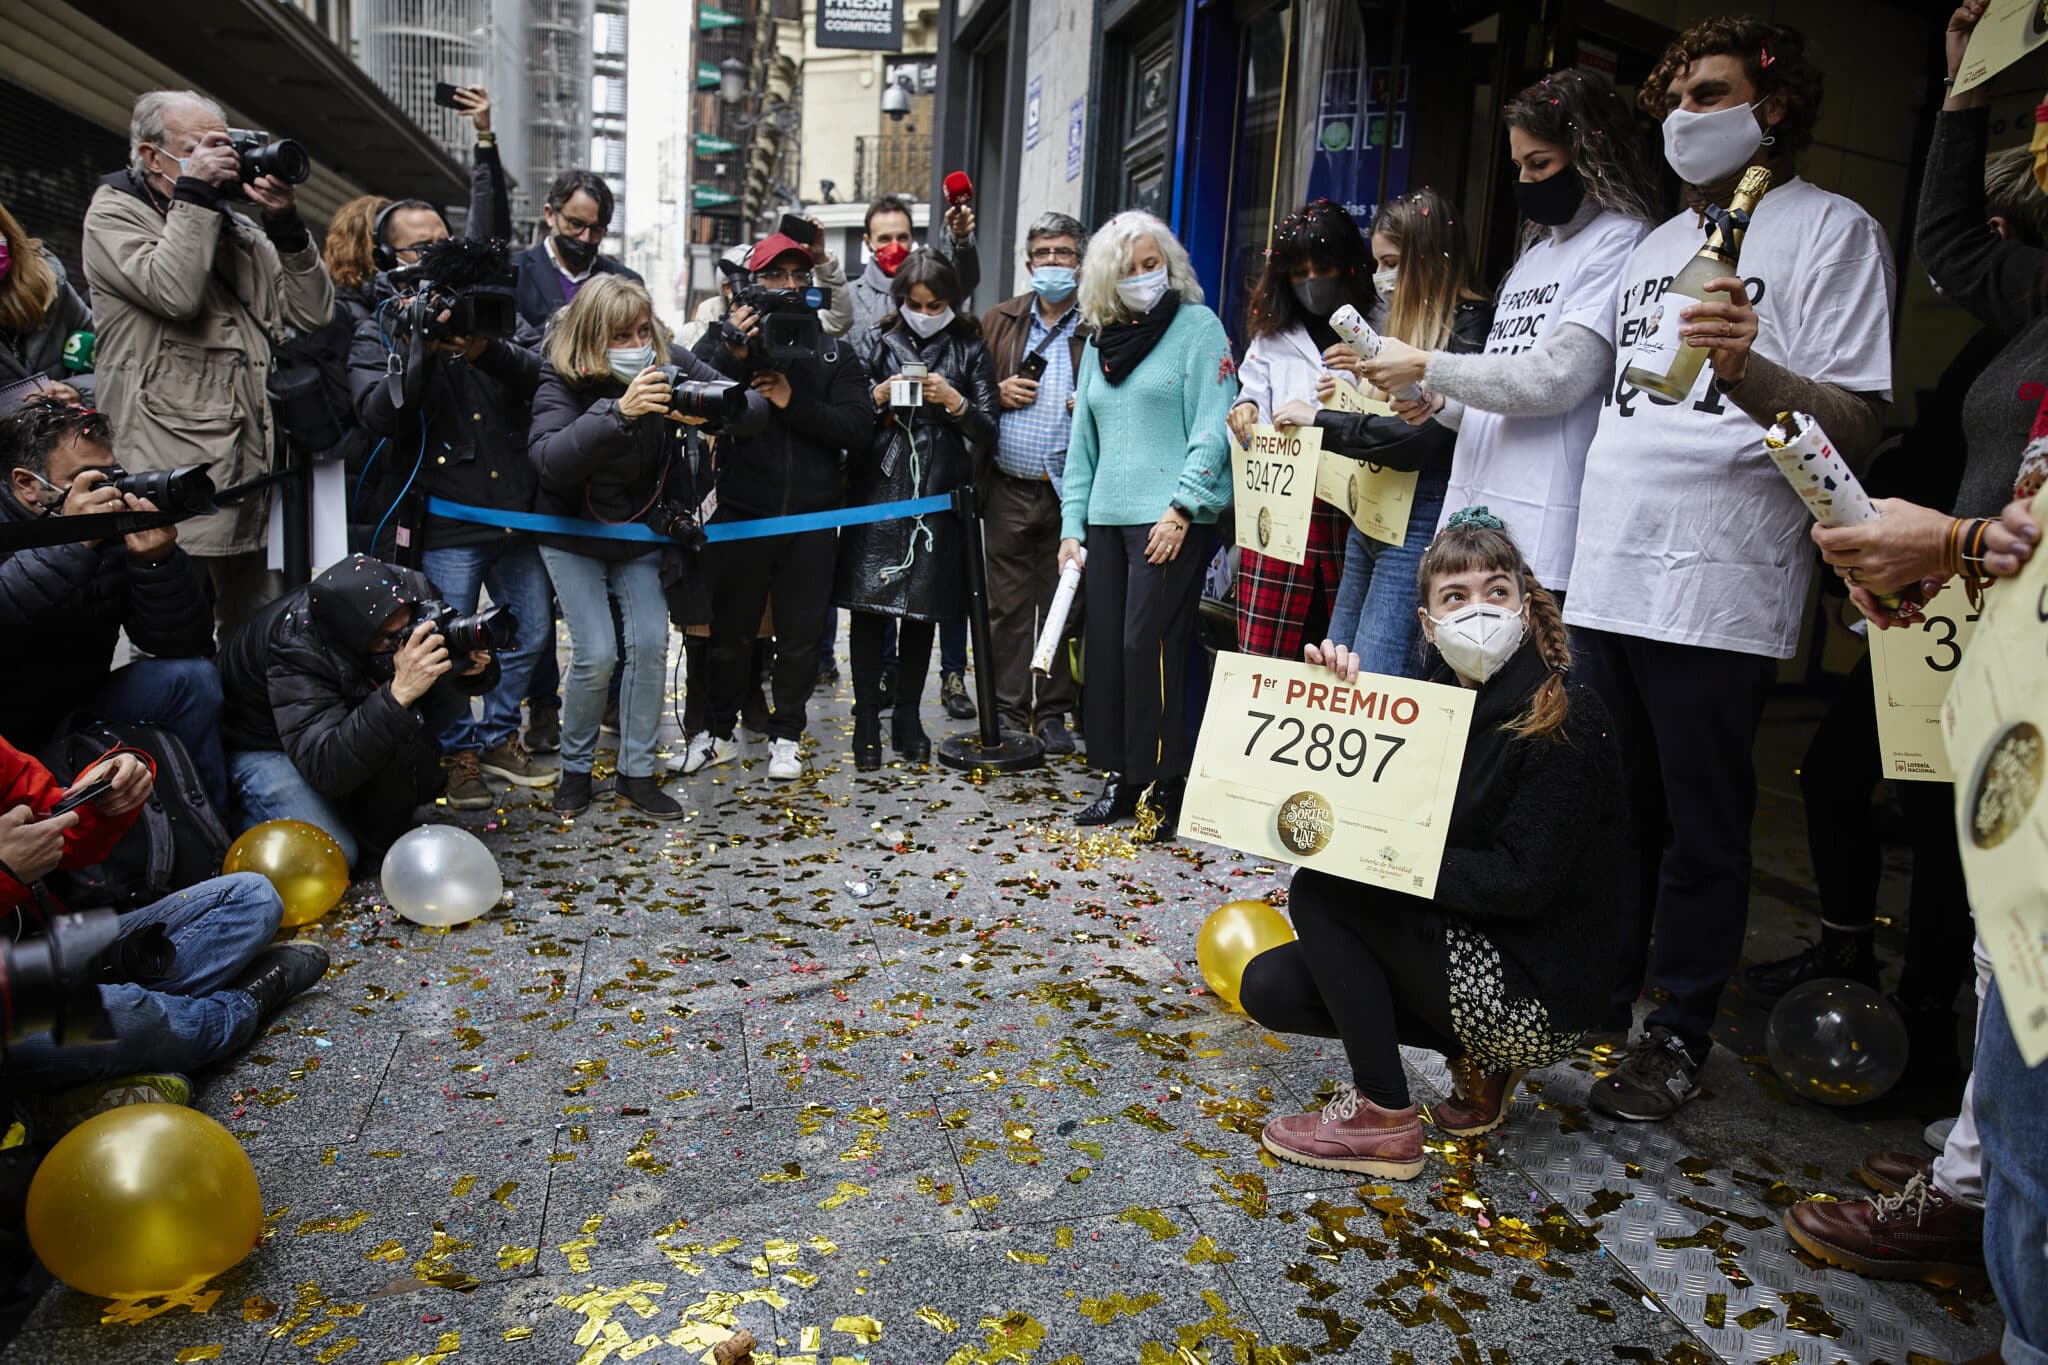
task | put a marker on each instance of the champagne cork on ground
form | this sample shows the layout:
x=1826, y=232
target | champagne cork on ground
x=737, y=1349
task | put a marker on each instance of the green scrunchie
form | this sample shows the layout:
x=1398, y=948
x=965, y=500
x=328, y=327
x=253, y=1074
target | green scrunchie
x=1475, y=516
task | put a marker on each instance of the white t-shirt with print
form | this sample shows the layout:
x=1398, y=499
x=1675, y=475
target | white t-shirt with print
x=1526, y=470
x=1687, y=532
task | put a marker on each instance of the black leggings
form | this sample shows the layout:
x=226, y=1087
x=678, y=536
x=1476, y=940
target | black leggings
x=867, y=643
x=1364, y=969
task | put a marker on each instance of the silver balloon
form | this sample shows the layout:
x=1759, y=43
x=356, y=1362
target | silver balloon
x=441, y=875
x=1837, y=1041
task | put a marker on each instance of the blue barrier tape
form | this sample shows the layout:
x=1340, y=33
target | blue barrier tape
x=717, y=530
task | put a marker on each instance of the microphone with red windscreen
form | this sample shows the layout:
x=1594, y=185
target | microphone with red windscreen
x=959, y=189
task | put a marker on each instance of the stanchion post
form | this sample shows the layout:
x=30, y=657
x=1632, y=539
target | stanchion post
x=992, y=748
x=297, y=492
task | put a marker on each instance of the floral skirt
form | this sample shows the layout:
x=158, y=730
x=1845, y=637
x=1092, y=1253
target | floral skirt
x=1502, y=1031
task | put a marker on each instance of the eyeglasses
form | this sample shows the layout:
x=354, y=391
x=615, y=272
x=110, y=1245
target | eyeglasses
x=797, y=278
x=572, y=226
x=1053, y=255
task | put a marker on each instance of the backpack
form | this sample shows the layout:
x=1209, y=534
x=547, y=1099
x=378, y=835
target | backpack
x=178, y=840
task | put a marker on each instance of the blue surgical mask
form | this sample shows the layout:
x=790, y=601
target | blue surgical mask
x=1053, y=283
x=1141, y=293
x=627, y=361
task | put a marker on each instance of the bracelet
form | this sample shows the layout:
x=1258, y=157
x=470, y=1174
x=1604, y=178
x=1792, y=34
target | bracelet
x=486, y=139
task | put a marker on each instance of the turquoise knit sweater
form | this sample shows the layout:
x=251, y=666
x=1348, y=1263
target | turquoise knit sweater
x=1157, y=438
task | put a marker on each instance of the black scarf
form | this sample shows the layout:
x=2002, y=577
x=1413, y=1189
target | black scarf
x=1123, y=346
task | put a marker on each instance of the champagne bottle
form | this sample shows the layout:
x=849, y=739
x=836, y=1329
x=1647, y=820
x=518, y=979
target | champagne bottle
x=1663, y=363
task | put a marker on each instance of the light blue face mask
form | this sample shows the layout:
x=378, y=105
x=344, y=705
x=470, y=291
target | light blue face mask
x=1053, y=283
x=1141, y=293
x=628, y=361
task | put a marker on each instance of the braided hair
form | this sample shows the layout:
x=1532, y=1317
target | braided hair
x=1474, y=538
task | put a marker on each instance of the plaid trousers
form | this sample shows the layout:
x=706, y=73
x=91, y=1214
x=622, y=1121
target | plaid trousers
x=1275, y=598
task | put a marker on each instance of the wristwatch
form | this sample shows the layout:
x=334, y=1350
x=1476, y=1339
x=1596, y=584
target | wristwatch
x=486, y=139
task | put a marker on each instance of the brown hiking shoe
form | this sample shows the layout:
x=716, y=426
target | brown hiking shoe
x=1890, y=1172
x=1917, y=1234
x=1478, y=1101
x=517, y=765
x=1351, y=1133
x=467, y=789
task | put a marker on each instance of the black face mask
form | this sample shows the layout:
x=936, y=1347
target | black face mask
x=1551, y=201
x=1319, y=295
x=576, y=253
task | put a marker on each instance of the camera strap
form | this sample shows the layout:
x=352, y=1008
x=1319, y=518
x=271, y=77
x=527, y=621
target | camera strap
x=1053, y=334
x=44, y=531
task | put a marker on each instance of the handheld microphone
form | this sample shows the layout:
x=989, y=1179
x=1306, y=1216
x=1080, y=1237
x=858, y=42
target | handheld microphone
x=959, y=189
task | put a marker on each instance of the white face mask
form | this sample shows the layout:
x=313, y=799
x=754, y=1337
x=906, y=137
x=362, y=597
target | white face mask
x=1706, y=149
x=628, y=361
x=1141, y=293
x=1383, y=282
x=927, y=325
x=1476, y=640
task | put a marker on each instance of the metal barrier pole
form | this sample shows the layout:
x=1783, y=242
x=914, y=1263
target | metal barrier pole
x=991, y=749
x=297, y=492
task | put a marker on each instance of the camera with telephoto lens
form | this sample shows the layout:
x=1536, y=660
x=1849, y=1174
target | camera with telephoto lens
x=716, y=401
x=469, y=280
x=492, y=629
x=283, y=159
x=679, y=524
x=186, y=490
x=51, y=984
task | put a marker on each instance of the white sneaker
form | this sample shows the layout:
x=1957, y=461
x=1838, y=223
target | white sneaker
x=704, y=752
x=785, y=764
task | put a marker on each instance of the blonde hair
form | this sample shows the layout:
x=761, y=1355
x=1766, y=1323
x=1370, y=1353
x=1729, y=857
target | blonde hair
x=1108, y=259
x=579, y=334
x=1436, y=268
x=31, y=286
x=350, y=249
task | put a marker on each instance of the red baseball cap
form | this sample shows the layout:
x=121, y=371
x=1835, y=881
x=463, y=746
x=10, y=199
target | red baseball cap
x=781, y=244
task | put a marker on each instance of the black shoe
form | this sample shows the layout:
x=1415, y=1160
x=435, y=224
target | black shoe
x=1851, y=956
x=828, y=678
x=1657, y=1077
x=572, y=794
x=867, y=742
x=1161, y=802
x=953, y=694
x=544, y=730
x=1119, y=801
x=1055, y=736
x=647, y=797
x=754, y=712
x=281, y=972
x=907, y=736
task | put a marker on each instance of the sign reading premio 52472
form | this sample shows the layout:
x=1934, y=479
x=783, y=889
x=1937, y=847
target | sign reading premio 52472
x=873, y=25
x=1355, y=779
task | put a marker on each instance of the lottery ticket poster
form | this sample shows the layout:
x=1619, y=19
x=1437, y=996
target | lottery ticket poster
x=1911, y=668
x=1354, y=779
x=1377, y=500
x=2009, y=30
x=1995, y=720
x=1274, y=480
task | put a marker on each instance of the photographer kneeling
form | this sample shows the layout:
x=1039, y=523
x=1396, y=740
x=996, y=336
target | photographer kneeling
x=334, y=695
x=460, y=409
x=609, y=445
x=214, y=977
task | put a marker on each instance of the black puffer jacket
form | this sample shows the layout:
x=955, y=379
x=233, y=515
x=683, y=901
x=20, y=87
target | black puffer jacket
x=598, y=464
x=299, y=677
x=40, y=351
x=1391, y=442
x=931, y=452
x=793, y=465
x=62, y=606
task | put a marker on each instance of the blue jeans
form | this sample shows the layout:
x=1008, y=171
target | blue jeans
x=586, y=587
x=511, y=569
x=268, y=787
x=188, y=1021
x=2011, y=1097
x=183, y=696
x=1376, y=598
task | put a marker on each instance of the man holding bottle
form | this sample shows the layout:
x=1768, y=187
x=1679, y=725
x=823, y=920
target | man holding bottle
x=1692, y=566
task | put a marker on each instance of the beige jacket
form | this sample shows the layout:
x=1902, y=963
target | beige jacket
x=188, y=306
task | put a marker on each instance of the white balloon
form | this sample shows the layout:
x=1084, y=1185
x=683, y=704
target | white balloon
x=441, y=875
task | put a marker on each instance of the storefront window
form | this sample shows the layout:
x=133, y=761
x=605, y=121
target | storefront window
x=1261, y=174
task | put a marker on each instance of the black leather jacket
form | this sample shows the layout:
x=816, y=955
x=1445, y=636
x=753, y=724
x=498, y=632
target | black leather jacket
x=1391, y=442
x=915, y=453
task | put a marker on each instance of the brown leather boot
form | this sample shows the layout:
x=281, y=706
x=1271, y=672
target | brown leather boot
x=1478, y=1101
x=1890, y=1172
x=1917, y=1234
x=1351, y=1133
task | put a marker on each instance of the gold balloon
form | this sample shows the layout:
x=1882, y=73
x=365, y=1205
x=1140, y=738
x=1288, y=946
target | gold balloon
x=1231, y=937
x=142, y=1200
x=302, y=861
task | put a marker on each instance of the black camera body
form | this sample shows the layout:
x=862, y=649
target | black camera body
x=790, y=327
x=469, y=280
x=187, y=490
x=492, y=629
x=679, y=524
x=717, y=401
x=52, y=983
x=285, y=159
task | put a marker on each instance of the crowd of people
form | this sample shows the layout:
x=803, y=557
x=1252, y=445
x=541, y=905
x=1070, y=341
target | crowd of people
x=1621, y=631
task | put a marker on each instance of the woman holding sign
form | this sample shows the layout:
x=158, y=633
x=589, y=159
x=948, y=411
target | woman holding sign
x=1147, y=473
x=1525, y=410
x=1490, y=972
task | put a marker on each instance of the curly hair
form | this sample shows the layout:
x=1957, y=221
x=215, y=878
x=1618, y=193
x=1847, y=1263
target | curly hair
x=1323, y=234
x=1581, y=112
x=1773, y=56
x=349, y=251
x=1479, y=541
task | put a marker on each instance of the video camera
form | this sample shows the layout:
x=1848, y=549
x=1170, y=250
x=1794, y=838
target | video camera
x=52, y=983
x=790, y=327
x=467, y=279
x=283, y=159
x=492, y=629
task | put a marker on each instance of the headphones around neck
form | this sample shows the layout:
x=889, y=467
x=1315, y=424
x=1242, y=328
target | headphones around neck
x=381, y=251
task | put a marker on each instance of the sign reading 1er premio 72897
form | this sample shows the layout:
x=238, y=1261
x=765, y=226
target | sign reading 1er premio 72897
x=1355, y=779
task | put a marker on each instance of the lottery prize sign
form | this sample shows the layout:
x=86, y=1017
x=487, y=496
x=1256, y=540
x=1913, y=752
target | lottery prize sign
x=1274, y=482
x=1356, y=779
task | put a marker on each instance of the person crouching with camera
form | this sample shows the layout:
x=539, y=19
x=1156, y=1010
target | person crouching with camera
x=335, y=693
x=452, y=425
x=608, y=441
x=819, y=405
x=935, y=386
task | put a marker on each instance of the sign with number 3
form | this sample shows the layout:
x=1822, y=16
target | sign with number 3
x=1910, y=669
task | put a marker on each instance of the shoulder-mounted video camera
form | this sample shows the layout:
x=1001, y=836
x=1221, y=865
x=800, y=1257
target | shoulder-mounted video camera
x=469, y=280
x=790, y=327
